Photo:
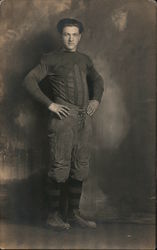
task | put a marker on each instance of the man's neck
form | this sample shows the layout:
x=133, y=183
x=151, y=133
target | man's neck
x=70, y=51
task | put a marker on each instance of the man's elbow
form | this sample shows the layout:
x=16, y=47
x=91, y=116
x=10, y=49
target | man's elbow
x=101, y=83
x=29, y=81
x=29, y=84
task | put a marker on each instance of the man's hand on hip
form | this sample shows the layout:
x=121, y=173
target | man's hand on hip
x=92, y=107
x=59, y=109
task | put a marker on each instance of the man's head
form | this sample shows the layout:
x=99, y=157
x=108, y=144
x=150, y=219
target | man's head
x=70, y=30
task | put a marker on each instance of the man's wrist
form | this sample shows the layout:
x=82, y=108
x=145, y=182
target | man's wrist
x=50, y=105
x=94, y=99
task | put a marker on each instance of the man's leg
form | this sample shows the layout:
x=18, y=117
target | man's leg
x=79, y=172
x=53, y=190
x=60, y=141
x=74, y=195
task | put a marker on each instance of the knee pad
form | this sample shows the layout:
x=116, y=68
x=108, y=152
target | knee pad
x=60, y=173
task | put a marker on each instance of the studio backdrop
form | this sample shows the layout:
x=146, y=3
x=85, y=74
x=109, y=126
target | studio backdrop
x=120, y=38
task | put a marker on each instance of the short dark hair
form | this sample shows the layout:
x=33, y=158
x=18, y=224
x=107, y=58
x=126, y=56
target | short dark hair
x=69, y=22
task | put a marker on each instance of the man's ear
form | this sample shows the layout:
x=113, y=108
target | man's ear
x=79, y=36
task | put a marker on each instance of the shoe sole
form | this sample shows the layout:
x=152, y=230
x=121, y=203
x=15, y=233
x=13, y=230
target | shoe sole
x=80, y=222
x=49, y=226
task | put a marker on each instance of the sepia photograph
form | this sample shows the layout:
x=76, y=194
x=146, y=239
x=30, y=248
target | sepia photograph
x=78, y=124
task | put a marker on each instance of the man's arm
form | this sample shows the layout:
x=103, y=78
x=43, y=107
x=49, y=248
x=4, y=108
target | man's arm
x=31, y=82
x=96, y=81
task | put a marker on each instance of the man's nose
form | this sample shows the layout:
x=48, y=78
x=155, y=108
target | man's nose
x=70, y=38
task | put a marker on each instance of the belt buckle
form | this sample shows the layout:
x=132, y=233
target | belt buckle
x=81, y=113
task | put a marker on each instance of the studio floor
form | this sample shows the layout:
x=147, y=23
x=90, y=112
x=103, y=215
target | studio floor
x=105, y=236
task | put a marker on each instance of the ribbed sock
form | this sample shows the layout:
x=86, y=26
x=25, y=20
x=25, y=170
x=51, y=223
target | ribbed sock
x=53, y=190
x=74, y=193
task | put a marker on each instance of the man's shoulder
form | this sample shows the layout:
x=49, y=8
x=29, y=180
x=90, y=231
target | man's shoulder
x=85, y=57
x=83, y=54
x=49, y=54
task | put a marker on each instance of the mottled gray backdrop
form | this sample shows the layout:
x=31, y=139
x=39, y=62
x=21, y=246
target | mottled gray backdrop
x=120, y=37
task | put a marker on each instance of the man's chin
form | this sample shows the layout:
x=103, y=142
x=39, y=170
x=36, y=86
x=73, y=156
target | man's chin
x=70, y=48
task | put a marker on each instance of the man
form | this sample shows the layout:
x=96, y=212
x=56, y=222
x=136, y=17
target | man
x=71, y=74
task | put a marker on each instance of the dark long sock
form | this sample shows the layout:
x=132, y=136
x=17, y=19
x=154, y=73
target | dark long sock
x=53, y=190
x=64, y=200
x=75, y=190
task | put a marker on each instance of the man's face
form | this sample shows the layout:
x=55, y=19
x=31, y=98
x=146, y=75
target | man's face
x=71, y=37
